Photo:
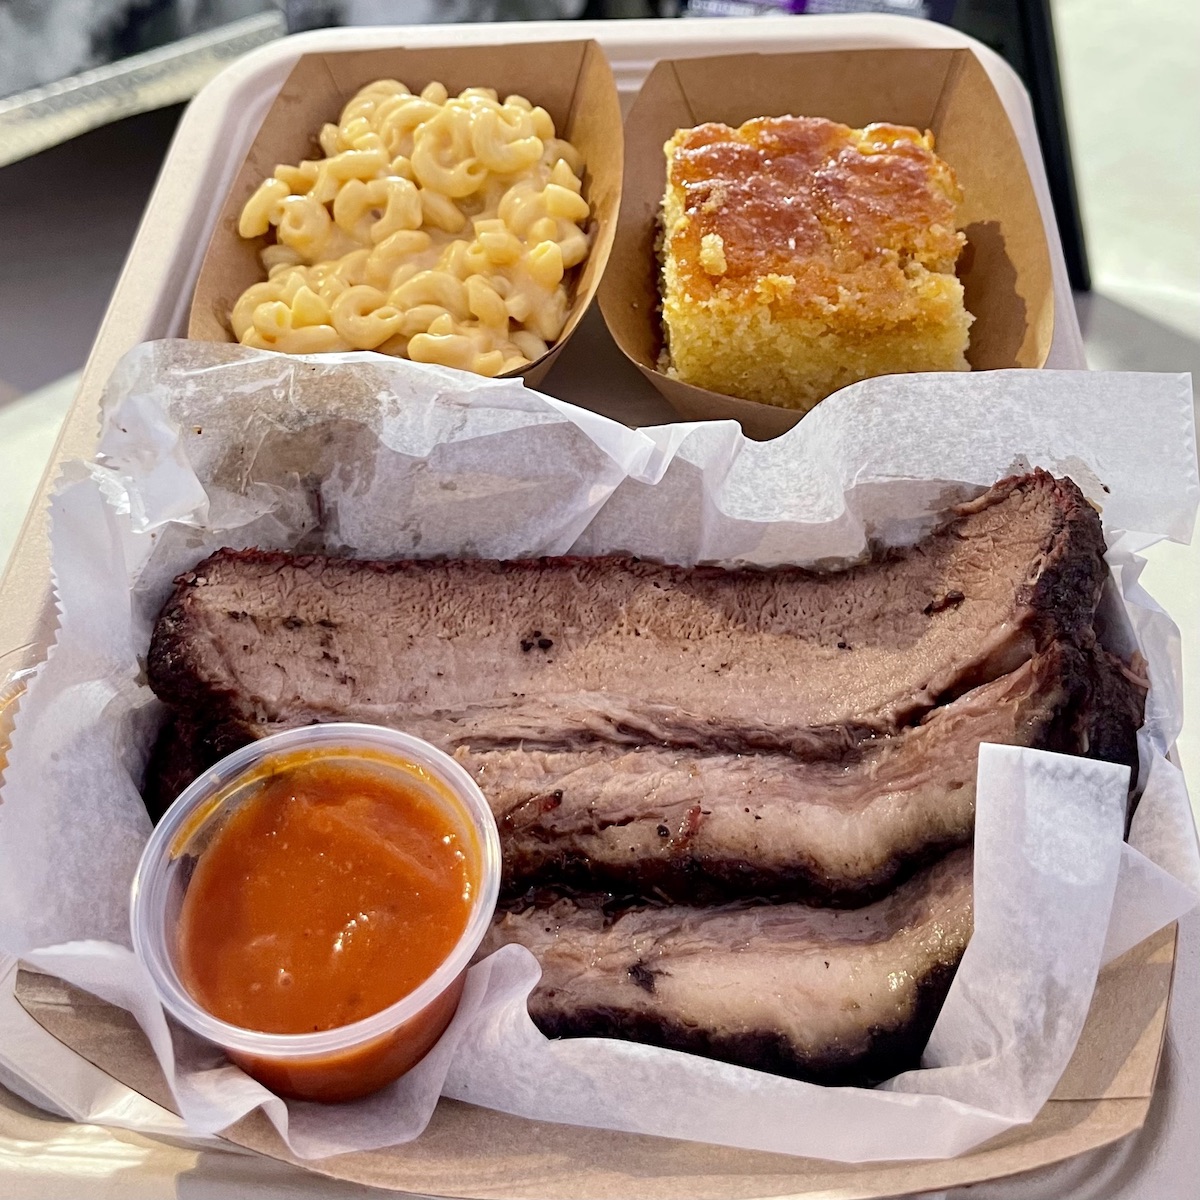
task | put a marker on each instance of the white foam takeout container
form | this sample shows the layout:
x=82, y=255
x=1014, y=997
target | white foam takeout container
x=153, y=297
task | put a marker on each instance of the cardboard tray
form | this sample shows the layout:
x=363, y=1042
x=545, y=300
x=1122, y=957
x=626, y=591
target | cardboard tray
x=572, y=81
x=1104, y=1094
x=1005, y=266
x=479, y=1154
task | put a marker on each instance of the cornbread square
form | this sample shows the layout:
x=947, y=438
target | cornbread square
x=800, y=255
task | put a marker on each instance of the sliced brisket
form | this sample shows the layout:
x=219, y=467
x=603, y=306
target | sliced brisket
x=690, y=827
x=562, y=651
x=695, y=737
x=680, y=825
x=823, y=994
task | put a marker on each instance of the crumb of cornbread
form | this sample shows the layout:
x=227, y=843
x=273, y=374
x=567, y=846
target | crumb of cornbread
x=800, y=255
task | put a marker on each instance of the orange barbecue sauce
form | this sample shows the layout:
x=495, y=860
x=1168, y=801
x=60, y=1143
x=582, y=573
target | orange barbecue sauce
x=330, y=894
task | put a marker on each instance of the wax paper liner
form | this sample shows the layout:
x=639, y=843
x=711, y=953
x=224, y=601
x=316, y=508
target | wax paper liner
x=206, y=446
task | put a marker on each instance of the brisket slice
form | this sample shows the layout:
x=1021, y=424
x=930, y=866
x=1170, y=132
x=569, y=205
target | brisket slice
x=684, y=826
x=564, y=651
x=694, y=828
x=1113, y=709
x=827, y=995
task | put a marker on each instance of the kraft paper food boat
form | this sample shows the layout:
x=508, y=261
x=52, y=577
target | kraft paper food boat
x=572, y=81
x=479, y=1153
x=1103, y=1094
x=1106, y=1091
x=1005, y=267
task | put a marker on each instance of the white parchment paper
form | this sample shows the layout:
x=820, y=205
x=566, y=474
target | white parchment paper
x=209, y=446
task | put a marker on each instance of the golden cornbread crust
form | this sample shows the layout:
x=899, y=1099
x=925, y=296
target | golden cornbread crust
x=800, y=255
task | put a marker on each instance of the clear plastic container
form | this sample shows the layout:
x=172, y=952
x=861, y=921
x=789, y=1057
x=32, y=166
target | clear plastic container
x=351, y=1060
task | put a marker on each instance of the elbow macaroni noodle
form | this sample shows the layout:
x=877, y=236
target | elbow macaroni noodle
x=436, y=228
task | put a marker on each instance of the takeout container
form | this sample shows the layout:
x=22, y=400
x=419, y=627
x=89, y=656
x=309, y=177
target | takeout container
x=466, y=1151
x=572, y=81
x=351, y=1060
x=480, y=1153
x=1005, y=267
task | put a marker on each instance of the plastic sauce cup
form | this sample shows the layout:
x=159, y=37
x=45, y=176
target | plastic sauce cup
x=351, y=1060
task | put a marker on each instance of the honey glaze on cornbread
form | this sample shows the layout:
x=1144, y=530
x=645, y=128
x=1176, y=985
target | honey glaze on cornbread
x=801, y=255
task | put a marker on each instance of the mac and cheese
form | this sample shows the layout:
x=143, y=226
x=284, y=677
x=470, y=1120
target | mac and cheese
x=436, y=228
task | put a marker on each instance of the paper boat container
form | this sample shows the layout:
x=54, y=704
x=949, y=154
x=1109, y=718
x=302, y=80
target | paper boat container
x=1103, y=1095
x=1005, y=266
x=572, y=81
